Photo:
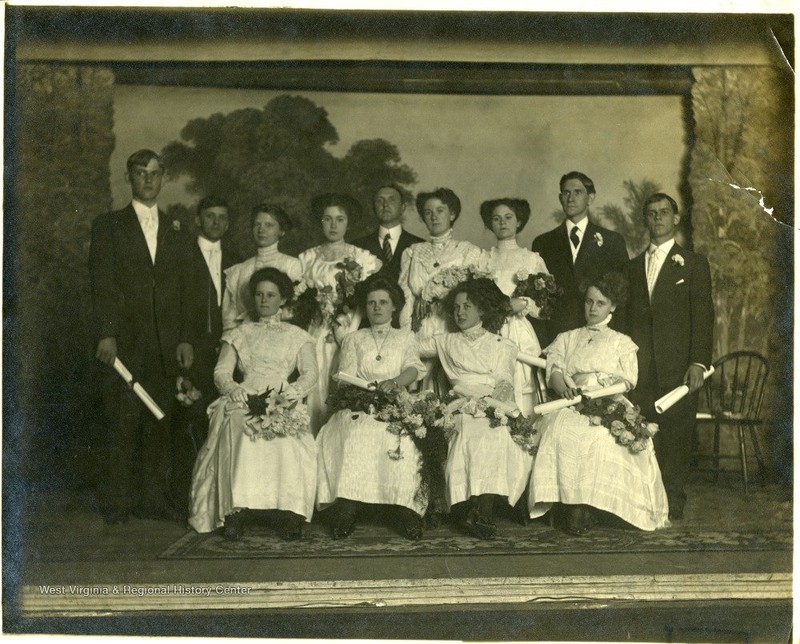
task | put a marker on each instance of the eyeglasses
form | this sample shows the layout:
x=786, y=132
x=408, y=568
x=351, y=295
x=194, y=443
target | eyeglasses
x=141, y=173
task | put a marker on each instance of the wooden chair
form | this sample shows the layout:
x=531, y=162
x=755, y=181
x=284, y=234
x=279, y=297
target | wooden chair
x=733, y=397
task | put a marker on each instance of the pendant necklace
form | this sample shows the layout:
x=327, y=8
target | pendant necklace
x=379, y=357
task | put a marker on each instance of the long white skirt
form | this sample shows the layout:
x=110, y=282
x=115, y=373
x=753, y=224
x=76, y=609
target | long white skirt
x=484, y=460
x=232, y=471
x=327, y=354
x=354, y=463
x=578, y=462
x=520, y=332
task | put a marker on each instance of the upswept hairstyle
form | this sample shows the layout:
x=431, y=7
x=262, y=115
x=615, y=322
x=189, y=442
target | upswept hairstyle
x=612, y=285
x=520, y=207
x=278, y=278
x=283, y=219
x=493, y=304
x=586, y=181
x=445, y=195
x=378, y=282
x=330, y=199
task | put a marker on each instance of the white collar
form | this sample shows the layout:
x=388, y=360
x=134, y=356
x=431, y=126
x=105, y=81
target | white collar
x=664, y=248
x=393, y=232
x=207, y=245
x=380, y=329
x=601, y=324
x=143, y=211
x=581, y=225
x=267, y=251
x=506, y=244
x=474, y=332
x=441, y=240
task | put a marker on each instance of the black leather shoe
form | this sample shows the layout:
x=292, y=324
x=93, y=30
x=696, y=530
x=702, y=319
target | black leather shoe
x=480, y=527
x=345, y=519
x=113, y=516
x=234, y=526
x=412, y=524
x=292, y=527
x=576, y=524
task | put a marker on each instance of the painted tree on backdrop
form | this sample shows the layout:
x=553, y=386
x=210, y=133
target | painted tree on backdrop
x=741, y=179
x=280, y=154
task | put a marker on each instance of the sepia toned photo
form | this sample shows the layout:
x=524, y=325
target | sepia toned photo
x=398, y=324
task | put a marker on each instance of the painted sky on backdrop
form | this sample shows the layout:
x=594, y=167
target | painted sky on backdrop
x=480, y=146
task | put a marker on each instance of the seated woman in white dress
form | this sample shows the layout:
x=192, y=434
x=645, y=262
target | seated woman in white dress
x=506, y=218
x=578, y=463
x=484, y=463
x=421, y=262
x=269, y=223
x=235, y=469
x=319, y=269
x=354, y=463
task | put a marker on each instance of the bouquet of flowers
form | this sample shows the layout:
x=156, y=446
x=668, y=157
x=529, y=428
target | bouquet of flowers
x=349, y=275
x=521, y=429
x=541, y=288
x=187, y=394
x=623, y=419
x=446, y=279
x=422, y=417
x=273, y=414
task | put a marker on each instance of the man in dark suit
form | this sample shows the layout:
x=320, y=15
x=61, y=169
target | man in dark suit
x=210, y=258
x=391, y=239
x=577, y=249
x=139, y=266
x=671, y=319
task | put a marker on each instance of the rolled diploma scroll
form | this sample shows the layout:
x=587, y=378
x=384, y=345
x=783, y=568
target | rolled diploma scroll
x=353, y=380
x=601, y=392
x=532, y=360
x=138, y=389
x=668, y=400
x=509, y=409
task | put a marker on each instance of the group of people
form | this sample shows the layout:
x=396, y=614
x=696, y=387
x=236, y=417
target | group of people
x=170, y=306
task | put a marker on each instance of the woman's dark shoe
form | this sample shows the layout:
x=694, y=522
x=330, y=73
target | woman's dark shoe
x=292, y=527
x=576, y=520
x=234, y=526
x=412, y=524
x=480, y=527
x=345, y=521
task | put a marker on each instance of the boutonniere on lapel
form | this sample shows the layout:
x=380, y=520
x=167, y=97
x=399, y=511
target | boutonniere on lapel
x=678, y=260
x=176, y=225
x=598, y=239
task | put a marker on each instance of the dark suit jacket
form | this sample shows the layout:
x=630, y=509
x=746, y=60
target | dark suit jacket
x=593, y=258
x=390, y=269
x=675, y=328
x=147, y=307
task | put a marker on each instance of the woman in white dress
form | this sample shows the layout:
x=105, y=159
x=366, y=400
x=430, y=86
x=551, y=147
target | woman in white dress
x=269, y=223
x=506, y=218
x=484, y=463
x=354, y=464
x=234, y=471
x=580, y=464
x=319, y=269
x=420, y=262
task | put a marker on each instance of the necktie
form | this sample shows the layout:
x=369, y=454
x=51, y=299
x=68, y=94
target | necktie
x=387, y=248
x=652, y=269
x=574, y=237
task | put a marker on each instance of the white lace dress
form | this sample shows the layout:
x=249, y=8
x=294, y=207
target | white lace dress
x=578, y=462
x=481, y=459
x=319, y=272
x=419, y=263
x=236, y=300
x=353, y=461
x=232, y=471
x=504, y=261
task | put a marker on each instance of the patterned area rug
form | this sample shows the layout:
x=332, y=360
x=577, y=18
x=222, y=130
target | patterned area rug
x=373, y=539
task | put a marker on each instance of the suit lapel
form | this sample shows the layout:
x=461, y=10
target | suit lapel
x=588, y=247
x=133, y=236
x=565, y=246
x=667, y=275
